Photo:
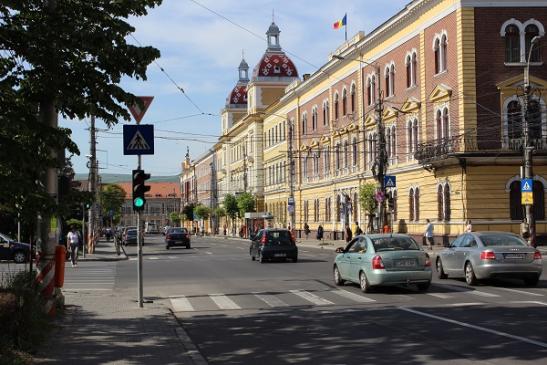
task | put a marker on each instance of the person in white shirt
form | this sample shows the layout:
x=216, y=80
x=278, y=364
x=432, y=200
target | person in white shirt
x=469, y=227
x=73, y=240
x=428, y=234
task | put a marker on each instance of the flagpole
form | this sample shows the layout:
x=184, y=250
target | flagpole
x=346, y=32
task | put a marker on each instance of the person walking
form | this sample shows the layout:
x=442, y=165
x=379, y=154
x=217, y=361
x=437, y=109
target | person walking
x=73, y=240
x=348, y=233
x=306, y=229
x=358, y=229
x=320, y=233
x=428, y=234
x=469, y=227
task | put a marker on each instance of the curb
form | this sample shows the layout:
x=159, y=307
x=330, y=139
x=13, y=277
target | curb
x=190, y=350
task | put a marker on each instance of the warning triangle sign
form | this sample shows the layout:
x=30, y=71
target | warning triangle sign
x=138, y=143
x=526, y=186
x=137, y=111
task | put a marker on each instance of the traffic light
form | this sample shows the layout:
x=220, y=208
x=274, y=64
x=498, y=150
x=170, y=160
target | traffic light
x=139, y=189
x=391, y=204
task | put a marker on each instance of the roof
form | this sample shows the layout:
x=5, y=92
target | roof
x=238, y=96
x=157, y=189
x=275, y=64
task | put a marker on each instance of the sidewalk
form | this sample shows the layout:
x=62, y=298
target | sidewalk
x=104, y=251
x=108, y=327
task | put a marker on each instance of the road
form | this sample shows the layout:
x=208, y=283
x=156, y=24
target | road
x=237, y=311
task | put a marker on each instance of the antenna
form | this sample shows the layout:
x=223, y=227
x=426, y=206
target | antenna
x=273, y=16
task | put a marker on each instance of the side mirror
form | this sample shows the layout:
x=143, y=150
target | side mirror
x=340, y=250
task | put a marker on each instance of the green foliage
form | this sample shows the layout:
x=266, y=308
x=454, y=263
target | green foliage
x=245, y=203
x=219, y=212
x=175, y=218
x=230, y=205
x=188, y=211
x=366, y=197
x=202, y=212
x=112, y=197
x=74, y=222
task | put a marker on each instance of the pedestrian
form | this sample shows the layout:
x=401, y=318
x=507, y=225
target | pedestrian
x=348, y=233
x=469, y=227
x=358, y=229
x=306, y=229
x=428, y=234
x=73, y=240
x=225, y=230
x=320, y=233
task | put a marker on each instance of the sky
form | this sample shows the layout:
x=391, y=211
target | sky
x=200, y=51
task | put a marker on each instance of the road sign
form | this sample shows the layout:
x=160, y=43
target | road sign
x=290, y=208
x=379, y=196
x=139, y=112
x=290, y=201
x=526, y=185
x=138, y=139
x=390, y=181
x=527, y=198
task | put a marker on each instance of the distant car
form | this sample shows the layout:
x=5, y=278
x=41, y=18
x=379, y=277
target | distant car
x=272, y=244
x=382, y=260
x=165, y=229
x=12, y=250
x=177, y=237
x=130, y=237
x=484, y=255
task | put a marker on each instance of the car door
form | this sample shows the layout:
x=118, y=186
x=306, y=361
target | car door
x=344, y=261
x=255, y=242
x=357, y=258
x=448, y=256
x=461, y=253
x=5, y=253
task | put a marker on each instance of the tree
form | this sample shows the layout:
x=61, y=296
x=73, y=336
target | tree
x=112, y=197
x=202, y=212
x=245, y=203
x=60, y=57
x=230, y=205
x=368, y=202
x=188, y=211
x=219, y=212
x=175, y=218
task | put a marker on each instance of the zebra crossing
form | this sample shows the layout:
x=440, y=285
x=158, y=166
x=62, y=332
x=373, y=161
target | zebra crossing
x=448, y=295
x=91, y=276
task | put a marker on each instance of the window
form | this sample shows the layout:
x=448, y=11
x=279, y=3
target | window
x=408, y=63
x=392, y=80
x=325, y=112
x=326, y=159
x=352, y=98
x=336, y=106
x=393, y=147
x=346, y=154
x=304, y=123
x=344, y=101
x=338, y=203
x=414, y=204
x=387, y=81
x=440, y=49
x=305, y=167
x=276, y=139
x=411, y=205
x=534, y=120
x=315, y=164
x=327, y=209
x=306, y=212
x=512, y=43
x=443, y=202
x=371, y=88
x=355, y=151
x=355, y=206
x=414, y=68
x=314, y=118
x=530, y=32
x=514, y=120
x=442, y=124
x=337, y=156
x=388, y=143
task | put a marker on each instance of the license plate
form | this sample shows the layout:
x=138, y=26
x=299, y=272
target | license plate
x=515, y=256
x=280, y=255
x=405, y=263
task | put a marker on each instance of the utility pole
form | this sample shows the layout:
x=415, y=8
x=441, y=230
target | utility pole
x=213, y=192
x=245, y=166
x=92, y=180
x=381, y=159
x=291, y=203
x=530, y=223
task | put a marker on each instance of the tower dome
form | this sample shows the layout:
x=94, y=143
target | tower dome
x=238, y=95
x=274, y=62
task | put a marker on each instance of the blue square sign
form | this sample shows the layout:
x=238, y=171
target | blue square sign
x=526, y=186
x=390, y=181
x=138, y=139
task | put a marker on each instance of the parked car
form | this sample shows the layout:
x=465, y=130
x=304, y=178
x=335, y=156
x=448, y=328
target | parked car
x=483, y=255
x=177, y=237
x=12, y=250
x=382, y=260
x=130, y=237
x=270, y=244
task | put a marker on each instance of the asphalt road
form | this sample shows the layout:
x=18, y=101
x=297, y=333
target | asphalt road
x=237, y=311
x=242, y=312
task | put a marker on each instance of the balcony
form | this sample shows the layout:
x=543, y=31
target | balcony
x=439, y=149
x=516, y=144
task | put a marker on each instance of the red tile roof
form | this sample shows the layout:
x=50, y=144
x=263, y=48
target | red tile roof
x=157, y=189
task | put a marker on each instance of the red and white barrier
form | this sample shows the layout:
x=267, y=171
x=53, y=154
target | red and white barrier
x=45, y=281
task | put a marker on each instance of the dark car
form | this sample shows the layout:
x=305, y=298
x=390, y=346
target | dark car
x=12, y=250
x=130, y=237
x=272, y=244
x=177, y=237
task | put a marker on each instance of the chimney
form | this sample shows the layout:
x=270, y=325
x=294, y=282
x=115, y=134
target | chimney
x=306, y=76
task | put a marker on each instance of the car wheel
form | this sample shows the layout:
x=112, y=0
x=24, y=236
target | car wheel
x=188, y=246
x=295, y=259
x=440, y=270
x=423, y=286
x=363, y=282
x=253, y=258
x=19, y=257
x=470, y=277
x=167, y=247
x=338, y=281
x=531, y=280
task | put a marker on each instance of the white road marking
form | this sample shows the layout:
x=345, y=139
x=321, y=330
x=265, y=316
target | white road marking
x=208, y=252
x=171, y=257
x=271, y=300
x=439, y=295
x=528, y=302
x=355, y=297
x=521, y=292
x=463, y=304
x=223, y=302
x=478, y=328
x=305, y=251
x=241, y=248
x=181, y=304
x=311, y=297
x=153, y=258
x=133, y=259
x=483, y=294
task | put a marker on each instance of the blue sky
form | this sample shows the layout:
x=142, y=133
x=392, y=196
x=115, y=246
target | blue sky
x=201, y=52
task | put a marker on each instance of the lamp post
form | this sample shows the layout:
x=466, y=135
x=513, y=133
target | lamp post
x=530, y=224
x=380, y=164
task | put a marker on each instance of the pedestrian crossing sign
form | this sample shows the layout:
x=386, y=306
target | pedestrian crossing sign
x=138, y=139
x=390, y=181
x=526, y=185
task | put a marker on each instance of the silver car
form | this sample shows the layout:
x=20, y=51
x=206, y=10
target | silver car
x=483, y=255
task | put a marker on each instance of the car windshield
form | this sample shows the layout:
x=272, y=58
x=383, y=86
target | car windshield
x=132, y=232
x=178, y=230
x=501, y=240
x=394, y=244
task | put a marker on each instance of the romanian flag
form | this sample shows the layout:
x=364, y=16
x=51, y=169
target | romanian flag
x=340, y=23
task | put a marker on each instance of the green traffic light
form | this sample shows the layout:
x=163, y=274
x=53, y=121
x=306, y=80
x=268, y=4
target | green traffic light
x=138, y=202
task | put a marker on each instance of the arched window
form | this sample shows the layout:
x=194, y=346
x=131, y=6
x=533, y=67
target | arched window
x=326, y=159
x=534, y=120
x=408, y=63
x=388, y=143
x=355, y=206
x=387, y=76
x=325, y=112
x=446, y=202
x=338, y=203
x=440, y=199
x=344, y=101
x=444, y=51
x=439, y=122
x=337, y=156
x=336, y=106
x=411, y=205
x=414, y=69
x=531, y=31
x=392, y=80
x=512, y=43
x=437, y=51
x=409, y=139
x=514, y=120
x=354, y=146
x=417, y=204
x=304, y=123
x=352, y=98
x=539, y=201
x=305, y=167
x=515, y=205
x=314, y=118
x=393, y=148
x=346, y=154
x=445, y=127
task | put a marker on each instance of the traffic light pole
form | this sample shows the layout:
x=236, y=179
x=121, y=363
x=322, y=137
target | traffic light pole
x=139, y=250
